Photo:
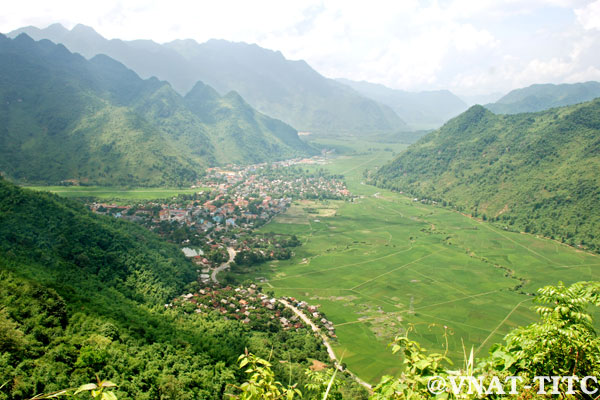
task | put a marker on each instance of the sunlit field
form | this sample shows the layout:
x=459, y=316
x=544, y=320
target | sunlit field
x=384, y=263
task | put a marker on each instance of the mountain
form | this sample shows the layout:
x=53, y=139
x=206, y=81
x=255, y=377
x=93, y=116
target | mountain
x=544, y=96
x=420, y=110
x=83, y=294
x=288, y=90
x=241, y=134
x=64, y=117
x=472, y=99
x=533, y=172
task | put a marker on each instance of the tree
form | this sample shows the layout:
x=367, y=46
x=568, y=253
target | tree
x=563, y=343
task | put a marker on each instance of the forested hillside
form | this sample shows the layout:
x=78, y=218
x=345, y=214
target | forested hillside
x=529, y=172
x=63, y=117
x=289, y=90
x=82, y=294
x=545, y=96
x=241, y=134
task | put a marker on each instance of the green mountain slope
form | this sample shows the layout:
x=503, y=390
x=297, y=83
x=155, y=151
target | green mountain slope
x=542, y=97
x=83, y=294
x=288, y=90
x=68, y=118
x=64, y=117
x=420, y=110
x=241, y=134
x=532, y=172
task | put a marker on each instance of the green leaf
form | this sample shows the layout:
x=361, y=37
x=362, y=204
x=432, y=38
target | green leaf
x=86, y=387
x=109, y=396
x=422, y=364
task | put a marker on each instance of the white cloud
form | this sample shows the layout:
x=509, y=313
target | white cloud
x=589, y=16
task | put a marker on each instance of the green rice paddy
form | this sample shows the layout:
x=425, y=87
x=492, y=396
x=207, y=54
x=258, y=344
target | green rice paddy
x=107, y=193
x=384, y=263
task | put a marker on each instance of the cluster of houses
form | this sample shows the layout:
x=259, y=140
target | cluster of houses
x=230, y=204
x=250, y=306
x=264, y=183
x=315, y=316
x=244, y=303
x=238, y=200
x=209, y=216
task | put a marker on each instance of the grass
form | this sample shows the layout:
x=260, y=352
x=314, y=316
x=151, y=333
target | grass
x=108, y=193
x=384, y=262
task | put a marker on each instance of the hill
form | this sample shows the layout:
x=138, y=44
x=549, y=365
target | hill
x=239, y=133
x=420, y=110
x=545, y=96
x=64, y=117
x=83, y=294
x=530, y=172
x=288, y=90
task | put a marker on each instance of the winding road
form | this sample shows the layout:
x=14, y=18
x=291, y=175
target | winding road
x=330, y=351
x=223, y=266
x=300, y=314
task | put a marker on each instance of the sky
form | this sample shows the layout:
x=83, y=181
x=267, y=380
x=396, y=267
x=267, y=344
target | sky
x=469, y=47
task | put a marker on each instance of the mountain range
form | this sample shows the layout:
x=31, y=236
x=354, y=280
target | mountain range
x=420, y=110
x=541, y=97
x=532, y=172
x=65, y=117
x=288, y=90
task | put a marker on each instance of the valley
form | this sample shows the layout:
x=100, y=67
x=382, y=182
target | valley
x=377, y=263
x=385, y=262
x=278, y=201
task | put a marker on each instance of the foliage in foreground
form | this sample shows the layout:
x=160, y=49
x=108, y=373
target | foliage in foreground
x=562, y=343
x=100, y=391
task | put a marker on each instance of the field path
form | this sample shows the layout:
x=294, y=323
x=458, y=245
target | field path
x=487, y=225
x=419, y=308
x=323, y=337
x=395, y=269
x=359, y=165
x=500, y=324
x=341, y=266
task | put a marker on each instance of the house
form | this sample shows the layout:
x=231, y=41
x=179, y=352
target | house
x=192, y=252
x=164, y=215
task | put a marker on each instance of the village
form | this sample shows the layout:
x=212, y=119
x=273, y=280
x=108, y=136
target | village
x=249, y=305
x=216, y=227
x=228, y=207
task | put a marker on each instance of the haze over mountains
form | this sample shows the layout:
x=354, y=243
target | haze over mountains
x=288, y=90
x=541, y=97
x=421, y=110
x=64, y=117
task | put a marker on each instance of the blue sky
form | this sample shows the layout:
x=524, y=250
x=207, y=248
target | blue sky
x=469, y=47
